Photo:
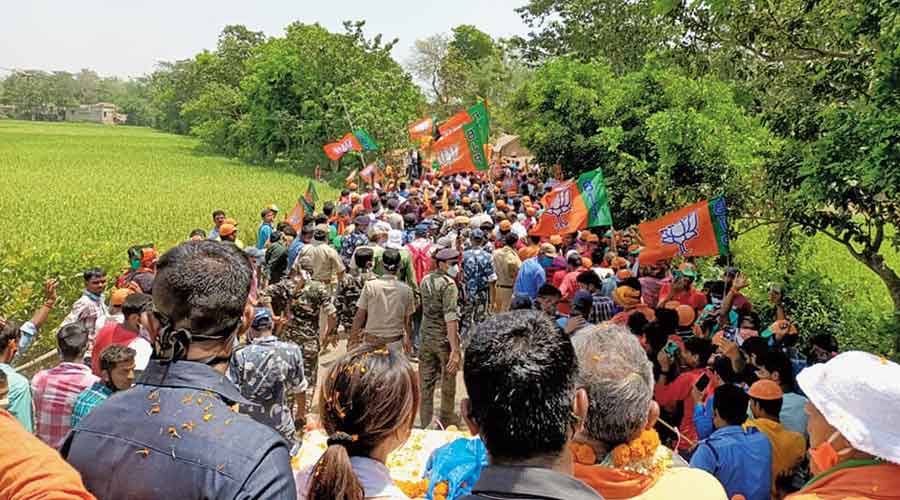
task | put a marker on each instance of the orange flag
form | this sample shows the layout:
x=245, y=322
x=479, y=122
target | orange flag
x=575, y=205
x=697, y=230
x=421, y=129
x=454, y=123
x=452, y=153
x=335, y=150
x=295, y=218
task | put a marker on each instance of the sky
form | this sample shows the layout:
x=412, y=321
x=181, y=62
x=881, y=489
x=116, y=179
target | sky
x=126, y=38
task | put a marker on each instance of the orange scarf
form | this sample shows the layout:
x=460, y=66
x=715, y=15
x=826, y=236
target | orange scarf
x=614, y=483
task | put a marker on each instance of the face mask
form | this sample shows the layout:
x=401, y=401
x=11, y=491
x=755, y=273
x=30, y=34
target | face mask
x=824, y=456
x=453, y=271
x=546, y=261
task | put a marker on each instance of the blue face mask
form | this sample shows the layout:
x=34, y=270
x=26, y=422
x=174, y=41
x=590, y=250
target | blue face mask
x=93, y=296
x=546, y=261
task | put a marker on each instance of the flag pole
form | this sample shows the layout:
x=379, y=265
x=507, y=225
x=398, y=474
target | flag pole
x=362, y=157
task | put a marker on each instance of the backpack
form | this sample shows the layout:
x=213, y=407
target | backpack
x=421, y=260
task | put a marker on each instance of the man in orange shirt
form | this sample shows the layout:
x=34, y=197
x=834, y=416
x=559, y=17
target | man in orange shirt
x=534, y=246
x=31, y=469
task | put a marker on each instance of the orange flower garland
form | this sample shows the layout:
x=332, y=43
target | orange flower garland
x=638, y=450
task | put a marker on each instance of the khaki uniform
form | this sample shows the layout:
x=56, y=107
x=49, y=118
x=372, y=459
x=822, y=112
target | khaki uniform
x=387, y=302
x=439, y=305
x=506, y=265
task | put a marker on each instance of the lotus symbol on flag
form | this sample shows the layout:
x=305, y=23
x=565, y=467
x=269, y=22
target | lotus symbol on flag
x=681, y=232
x=448, y=155
x=560, y=207
x=345, y=146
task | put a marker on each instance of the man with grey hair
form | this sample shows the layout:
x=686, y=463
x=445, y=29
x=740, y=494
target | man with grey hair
x=618, y=377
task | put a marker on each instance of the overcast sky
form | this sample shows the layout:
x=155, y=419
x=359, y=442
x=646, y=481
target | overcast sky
x=127, y=37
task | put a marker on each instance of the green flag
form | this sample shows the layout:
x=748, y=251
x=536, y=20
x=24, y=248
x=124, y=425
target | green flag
x=481, y=119
x=310, y=198
x=365, y=140
x=593, y=193
x=476, y=146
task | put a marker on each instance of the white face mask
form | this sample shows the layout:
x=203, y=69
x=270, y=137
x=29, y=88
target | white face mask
x=453, y=271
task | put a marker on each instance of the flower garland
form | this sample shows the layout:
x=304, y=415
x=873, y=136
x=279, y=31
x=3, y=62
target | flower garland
x=643, y=455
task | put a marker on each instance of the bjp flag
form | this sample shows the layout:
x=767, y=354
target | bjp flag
x=421, y=129
x=295, y=218
x=335, y=150
x=698, y=230
x=575, y=205
x=453, y=154
x=454, y=123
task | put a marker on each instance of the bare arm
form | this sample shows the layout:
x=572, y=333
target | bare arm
x=359, y=321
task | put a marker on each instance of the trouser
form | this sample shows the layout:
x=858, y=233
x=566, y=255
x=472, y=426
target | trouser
x=416, y=325
x=503, y=298
x=433, y=364
x=310, y=349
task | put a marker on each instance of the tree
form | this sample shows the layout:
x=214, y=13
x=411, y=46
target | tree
x=663, y=140
x=426, y=62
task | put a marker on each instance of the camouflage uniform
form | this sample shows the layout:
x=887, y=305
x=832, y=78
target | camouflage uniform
x=348, y=291
x=268, y=372
x=348, y=246
x=278, y=295
x=303, y=327
x=439, y=305
x=478, y=274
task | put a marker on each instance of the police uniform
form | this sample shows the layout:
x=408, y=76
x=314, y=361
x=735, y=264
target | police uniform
x=506, y=265
x=478, y=276
x=388, y=302
x=326, y=266
x=439, y=306
x=348, y=292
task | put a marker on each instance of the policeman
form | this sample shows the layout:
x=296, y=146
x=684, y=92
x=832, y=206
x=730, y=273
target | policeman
x=349, y=289
x=439, y=354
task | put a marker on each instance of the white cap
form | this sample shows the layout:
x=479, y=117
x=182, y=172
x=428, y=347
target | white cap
x=395, y=239
x=859, y=395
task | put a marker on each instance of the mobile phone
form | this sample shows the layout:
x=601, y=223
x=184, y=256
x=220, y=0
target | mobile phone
x=730, y=334
x=671, y=349
x=702, y=382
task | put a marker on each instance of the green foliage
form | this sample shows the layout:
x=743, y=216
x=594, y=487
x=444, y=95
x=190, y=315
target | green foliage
x=662, y=139
x=75, y=196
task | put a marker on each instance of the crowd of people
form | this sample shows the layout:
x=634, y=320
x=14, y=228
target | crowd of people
x=588, y=373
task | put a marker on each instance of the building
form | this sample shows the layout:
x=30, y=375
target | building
x=102, y=112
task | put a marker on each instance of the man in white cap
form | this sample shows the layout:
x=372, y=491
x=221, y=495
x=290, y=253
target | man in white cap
x=853, y=434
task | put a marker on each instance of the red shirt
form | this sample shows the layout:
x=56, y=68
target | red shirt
x=692, y=297
x=680, y=390
x=568, y=287
x=111, y=333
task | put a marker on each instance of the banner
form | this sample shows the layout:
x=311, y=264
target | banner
x=422, y=129
x=481, y=119
x=454, y=123
x=476, y=146
x=575, y=205
x=295, y=218
x=365, y=140
x=453, y=154
x=699, y=230
x=335, y=150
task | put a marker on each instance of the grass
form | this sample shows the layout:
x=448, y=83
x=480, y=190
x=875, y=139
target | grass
x=75, y=196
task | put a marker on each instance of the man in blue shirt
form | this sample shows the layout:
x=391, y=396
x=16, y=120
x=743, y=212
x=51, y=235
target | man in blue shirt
x=175, y=434
x=218, y=218
x=19, y=390
x=741, y=459
x=267, y=227
x=532, y=274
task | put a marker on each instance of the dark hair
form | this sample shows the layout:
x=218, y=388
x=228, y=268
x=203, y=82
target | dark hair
x=276, y=236
x=328, y=208
x=409, y=220
x=770, y=406
x=825, y=341
x=205, y=283
x=757, y=346
x=390, y=259
x=655, y=335
x=321, y=219
x=72, y=340
x=589, y=278
x=636, y=322
x=548, y=290
x=778, y=362
x=521, y=302
x=667, y=319
x=701, y=347
x=520, y=372
x=217, y=213
x=308, y=219
x=730, y=402
x=115, y=354
x=534, y=238
x=362, y=256
x=369, y=394
x=10, y=332
x=511, y=239
x=136, y=303
x=197, y=232
x=94, y=273
x=723, y=368
x=289, y=231
x=574, y=260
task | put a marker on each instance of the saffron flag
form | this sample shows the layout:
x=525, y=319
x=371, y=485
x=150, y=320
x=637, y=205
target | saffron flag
x=365, y=140
x=454, y=123
x=422, y=129
x=371, y=174
x=698, y=230
x=453, y=154
x=575, y=205
x=295, y=218
x=335, y=150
